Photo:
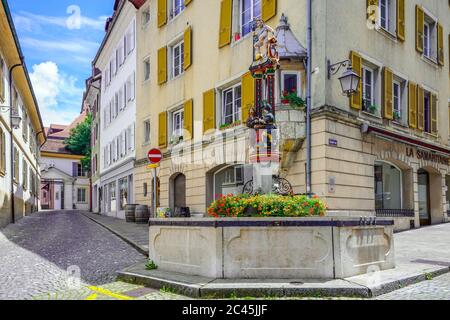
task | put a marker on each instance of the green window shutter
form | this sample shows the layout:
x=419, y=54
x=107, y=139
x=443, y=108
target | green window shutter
x=412, y=105
x=162, y=65
x=162, y=13
x=356, y=99
x=269, y=9
x=209, y=110
x=187, y=48
x=401, y=26
x=226, y=13
x=388, y=94
x=162, y=130
x=188, y=120
x=420, y=20
x=248, y=95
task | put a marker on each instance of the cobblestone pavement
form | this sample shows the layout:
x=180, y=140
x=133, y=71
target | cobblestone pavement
x=41, y=254
x=433, y=289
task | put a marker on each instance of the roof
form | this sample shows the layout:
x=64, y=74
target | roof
x=288, y=46
x=57, y=133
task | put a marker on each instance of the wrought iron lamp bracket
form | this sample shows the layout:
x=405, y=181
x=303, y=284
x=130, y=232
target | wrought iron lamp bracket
x=335, y=67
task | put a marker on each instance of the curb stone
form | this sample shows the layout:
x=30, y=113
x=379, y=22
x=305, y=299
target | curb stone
x=139, y=248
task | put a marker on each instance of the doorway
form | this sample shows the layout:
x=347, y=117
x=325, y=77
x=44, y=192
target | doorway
x=424, y=197
x=178, y=192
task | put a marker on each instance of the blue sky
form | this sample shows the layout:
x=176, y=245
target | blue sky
x=59, y=39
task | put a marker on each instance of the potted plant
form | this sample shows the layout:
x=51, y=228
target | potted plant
x=372, y=109
x=396, y=115
x=174, y=140
x=292, y=99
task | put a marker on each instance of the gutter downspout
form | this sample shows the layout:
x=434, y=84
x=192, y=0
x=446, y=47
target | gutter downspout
x=308, y=96
x=11, y=139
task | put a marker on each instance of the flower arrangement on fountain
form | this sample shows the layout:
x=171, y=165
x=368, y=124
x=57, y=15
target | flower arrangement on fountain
x=292, y=98
x=268, y=205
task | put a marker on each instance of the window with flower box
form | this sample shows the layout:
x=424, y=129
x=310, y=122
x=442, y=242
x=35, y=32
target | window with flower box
x=231, y=104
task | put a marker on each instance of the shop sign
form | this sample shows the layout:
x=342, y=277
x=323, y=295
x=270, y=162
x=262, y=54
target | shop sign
x=427, y=156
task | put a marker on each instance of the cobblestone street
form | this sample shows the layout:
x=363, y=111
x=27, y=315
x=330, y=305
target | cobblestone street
x=41, y=252
x=37, y=253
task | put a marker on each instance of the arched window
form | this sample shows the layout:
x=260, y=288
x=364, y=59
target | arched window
x=231, y=179
x=388, y=186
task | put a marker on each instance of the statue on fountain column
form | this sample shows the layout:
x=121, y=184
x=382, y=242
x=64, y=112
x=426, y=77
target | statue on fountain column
x=265, y=46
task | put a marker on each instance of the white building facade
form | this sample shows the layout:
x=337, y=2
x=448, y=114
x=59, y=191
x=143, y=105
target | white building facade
x=117, y=61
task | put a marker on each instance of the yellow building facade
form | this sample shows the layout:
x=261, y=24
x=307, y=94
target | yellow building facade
x=19, y=142
x=384, y=151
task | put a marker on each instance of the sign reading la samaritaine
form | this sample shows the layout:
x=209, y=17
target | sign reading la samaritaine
x=428, y=156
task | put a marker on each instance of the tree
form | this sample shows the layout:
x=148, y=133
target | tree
x=79, y=141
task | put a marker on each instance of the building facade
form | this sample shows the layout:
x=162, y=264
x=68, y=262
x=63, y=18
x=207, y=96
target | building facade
x=116, y=59
x=65, y=182
x=92, y=99
x=19, y=144
x=385, y=151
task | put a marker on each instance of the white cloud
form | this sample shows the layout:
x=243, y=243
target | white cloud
x=58, y=96
x=73, y=45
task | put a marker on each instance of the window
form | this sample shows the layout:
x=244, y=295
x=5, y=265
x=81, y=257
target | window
x=146, y=131
x=427, y=112
x=177, y=123
x=123, y=190
x=81, y=172
x=2, y=81
x=230, y=180
x=231, y=104
x=177, y=7
x=368, y=87
x=81, y=195
x=25, y=124
x=2, y=152
x=249, y=10
x=16, y=160
x=397, y=100
x=427, y=40
x=290, y=81
x=146, y=16
x=388, y=186
x=177, y=59
x=25, y=174
x=146, y=69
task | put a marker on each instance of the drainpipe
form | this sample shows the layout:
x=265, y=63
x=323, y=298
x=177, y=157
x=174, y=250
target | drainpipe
x=308, y=96
x=11, y=133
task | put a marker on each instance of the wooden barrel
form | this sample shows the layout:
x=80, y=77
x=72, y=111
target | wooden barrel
x=142, y=214
x=130, y=212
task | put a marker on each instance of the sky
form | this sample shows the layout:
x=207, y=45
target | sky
x=59, y=39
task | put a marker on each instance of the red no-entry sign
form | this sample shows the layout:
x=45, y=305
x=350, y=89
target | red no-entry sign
x=154, y=156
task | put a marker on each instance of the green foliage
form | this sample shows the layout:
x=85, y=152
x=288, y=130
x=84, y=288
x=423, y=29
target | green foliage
x=293, y=99
x=150, y=265
x=79, y=141
x=269, y=205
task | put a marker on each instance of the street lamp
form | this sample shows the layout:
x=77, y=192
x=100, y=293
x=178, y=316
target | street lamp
x=15, y=118
x=349, y=79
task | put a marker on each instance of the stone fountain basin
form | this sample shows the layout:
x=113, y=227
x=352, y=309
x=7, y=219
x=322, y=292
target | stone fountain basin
x=275, y=248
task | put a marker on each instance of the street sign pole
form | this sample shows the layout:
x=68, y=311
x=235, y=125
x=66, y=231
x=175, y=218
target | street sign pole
x=154, y=193
x=154, y=157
